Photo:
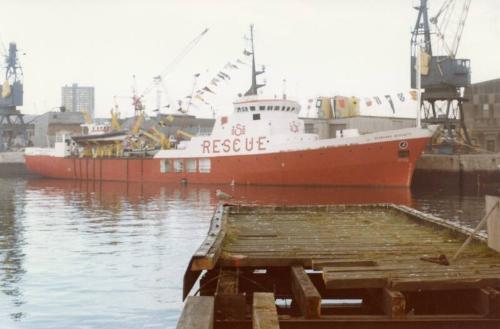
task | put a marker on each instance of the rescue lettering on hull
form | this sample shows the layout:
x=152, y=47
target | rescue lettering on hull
x=235, y=145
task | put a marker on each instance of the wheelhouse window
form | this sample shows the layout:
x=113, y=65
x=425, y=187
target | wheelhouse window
x=288, y=109
x=204, y=165
x=283, y=108
x=270, y=108
x=276, y=108
x=179, y=165
x=191, y=165
x=252, y=108
x=165, y=166
x=262, y=108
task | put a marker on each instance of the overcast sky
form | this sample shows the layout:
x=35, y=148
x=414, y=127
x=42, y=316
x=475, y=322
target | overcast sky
x=349, y=47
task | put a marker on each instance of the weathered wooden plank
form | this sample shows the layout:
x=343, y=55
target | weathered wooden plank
x=487, y=302
x=198, y=313
x=493, y=222
x=215, y=228
x=440, y=283
x=229, y=303
x=394, y=303
x=305, y=293
x=190, y=278
x=239, y=260
x=349, y=280
x=209, y=251
x=319, y=264
x=264, y=314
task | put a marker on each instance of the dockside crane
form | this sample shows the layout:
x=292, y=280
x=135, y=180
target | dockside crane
x=12, y=125
x=443, y=76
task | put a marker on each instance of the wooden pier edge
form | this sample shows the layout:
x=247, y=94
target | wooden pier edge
x=450, y=225
x=198, y=313
x=208, y=253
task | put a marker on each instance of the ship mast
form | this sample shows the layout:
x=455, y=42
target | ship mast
x=255, y=86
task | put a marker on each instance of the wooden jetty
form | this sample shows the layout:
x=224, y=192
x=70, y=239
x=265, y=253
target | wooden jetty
x=367, y=266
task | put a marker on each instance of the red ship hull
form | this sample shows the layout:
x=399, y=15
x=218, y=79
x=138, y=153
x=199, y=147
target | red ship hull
x=373, y=164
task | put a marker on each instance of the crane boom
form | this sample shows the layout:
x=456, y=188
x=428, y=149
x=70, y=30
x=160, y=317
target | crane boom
x=461, y=25
x=449, y=6
x=138, y=123
x=177, y=59
x=87, y=117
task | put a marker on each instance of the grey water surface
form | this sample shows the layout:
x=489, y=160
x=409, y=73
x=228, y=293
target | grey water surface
x=112, y=255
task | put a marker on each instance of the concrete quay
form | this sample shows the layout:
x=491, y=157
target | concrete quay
x=460, y=169
x=12, y=164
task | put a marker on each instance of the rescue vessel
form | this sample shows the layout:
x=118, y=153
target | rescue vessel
x=263, y=142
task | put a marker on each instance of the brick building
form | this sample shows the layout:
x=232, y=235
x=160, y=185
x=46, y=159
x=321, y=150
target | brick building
x=482, y=114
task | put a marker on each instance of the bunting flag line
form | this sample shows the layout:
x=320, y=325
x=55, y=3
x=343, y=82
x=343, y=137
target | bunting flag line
x=215, y=82
x=230, y=65
x=225, y=75
x=208, y=89
x=389, y=99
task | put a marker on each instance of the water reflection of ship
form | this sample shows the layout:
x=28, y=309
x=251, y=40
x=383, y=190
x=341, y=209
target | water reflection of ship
x=11, y=248
x=111, y=195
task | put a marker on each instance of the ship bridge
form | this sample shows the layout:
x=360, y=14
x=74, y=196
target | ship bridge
x=256, y=105
x=261, y=115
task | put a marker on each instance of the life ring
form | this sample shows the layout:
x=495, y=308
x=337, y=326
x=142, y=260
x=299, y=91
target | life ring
x=403, y=145
x=294, y=128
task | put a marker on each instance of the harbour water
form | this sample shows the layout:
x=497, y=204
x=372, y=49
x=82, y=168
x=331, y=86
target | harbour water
x=112, y=255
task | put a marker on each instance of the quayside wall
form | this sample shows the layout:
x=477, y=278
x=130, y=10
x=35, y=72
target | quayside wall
x=12, y=164
x=458, y=169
